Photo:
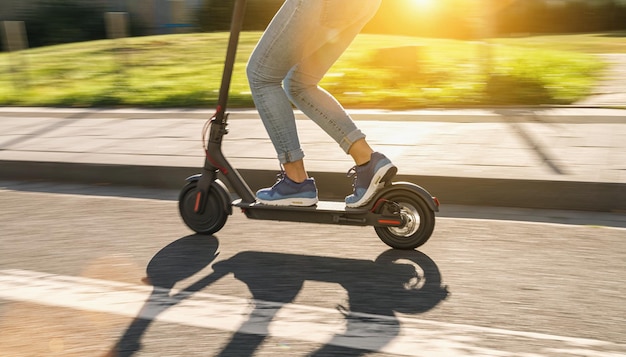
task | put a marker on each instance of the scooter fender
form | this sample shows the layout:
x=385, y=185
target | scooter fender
x=221, y=189
x=431, y=201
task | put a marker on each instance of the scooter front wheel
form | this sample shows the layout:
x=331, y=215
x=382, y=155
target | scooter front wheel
x=418, y=221
x=212, y=218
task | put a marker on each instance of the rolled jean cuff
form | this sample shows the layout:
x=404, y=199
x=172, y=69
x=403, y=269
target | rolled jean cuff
x=290, y=156
x=349, y=139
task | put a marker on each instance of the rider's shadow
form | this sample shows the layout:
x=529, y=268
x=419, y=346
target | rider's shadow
x=397, y=281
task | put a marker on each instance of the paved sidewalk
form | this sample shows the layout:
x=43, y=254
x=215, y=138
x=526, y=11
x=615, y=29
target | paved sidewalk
x=611, y=90
x=566, y=158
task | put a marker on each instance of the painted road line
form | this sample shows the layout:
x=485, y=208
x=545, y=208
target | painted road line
x=388, y=334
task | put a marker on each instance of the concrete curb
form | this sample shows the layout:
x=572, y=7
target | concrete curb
x=541, y=194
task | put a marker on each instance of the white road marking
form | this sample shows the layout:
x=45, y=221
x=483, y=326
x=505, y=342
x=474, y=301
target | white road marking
x=400, y=336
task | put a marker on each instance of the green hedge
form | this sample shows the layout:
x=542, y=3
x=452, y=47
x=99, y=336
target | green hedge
x=52, y=22
x=215, y=15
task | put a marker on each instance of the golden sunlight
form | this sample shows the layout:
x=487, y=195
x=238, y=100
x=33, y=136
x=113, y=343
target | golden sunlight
x=423, y=4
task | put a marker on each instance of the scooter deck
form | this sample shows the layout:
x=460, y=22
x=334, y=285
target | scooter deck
x=321, y=206
x=328, y=212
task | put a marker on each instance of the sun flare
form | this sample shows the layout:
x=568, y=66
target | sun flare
x=423, y=4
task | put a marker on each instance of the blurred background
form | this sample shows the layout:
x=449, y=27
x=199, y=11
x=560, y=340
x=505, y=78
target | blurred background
x=61, y=21
x=413, y=54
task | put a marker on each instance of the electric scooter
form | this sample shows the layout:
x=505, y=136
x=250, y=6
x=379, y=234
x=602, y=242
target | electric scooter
x=402, y=213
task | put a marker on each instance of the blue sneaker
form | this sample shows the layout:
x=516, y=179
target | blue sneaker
x=286, y=192
x=369, y=178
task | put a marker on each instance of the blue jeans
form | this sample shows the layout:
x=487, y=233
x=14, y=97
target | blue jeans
x=299, y=46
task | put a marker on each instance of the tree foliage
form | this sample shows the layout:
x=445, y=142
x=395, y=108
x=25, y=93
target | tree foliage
x=51, y=22
x=537, y=16
x=459, y=18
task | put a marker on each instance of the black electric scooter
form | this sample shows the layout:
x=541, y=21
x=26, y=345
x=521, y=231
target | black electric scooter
x=402, y=213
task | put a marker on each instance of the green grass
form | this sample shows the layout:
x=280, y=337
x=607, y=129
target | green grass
x=185, y=71
x=593, y=43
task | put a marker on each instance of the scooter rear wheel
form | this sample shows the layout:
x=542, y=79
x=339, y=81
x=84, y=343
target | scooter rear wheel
x=418, y=222
x=212, y=219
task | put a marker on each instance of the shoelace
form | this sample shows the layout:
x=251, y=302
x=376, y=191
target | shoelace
x=280, y=176
x=352, y=173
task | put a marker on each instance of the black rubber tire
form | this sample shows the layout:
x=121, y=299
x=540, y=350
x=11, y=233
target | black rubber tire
x=419, y=226
x=214, y=216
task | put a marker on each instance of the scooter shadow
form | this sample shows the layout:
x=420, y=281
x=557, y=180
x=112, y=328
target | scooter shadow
x=397, y=281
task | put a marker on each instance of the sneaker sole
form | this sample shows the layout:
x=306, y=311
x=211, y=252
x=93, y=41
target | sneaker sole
x=298, y=202
x=383, y=175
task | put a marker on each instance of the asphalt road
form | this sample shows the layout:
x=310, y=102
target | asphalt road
x=105, y=271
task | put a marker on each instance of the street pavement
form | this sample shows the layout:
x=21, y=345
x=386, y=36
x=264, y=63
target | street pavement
x=73, y=269
x=571, y=158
